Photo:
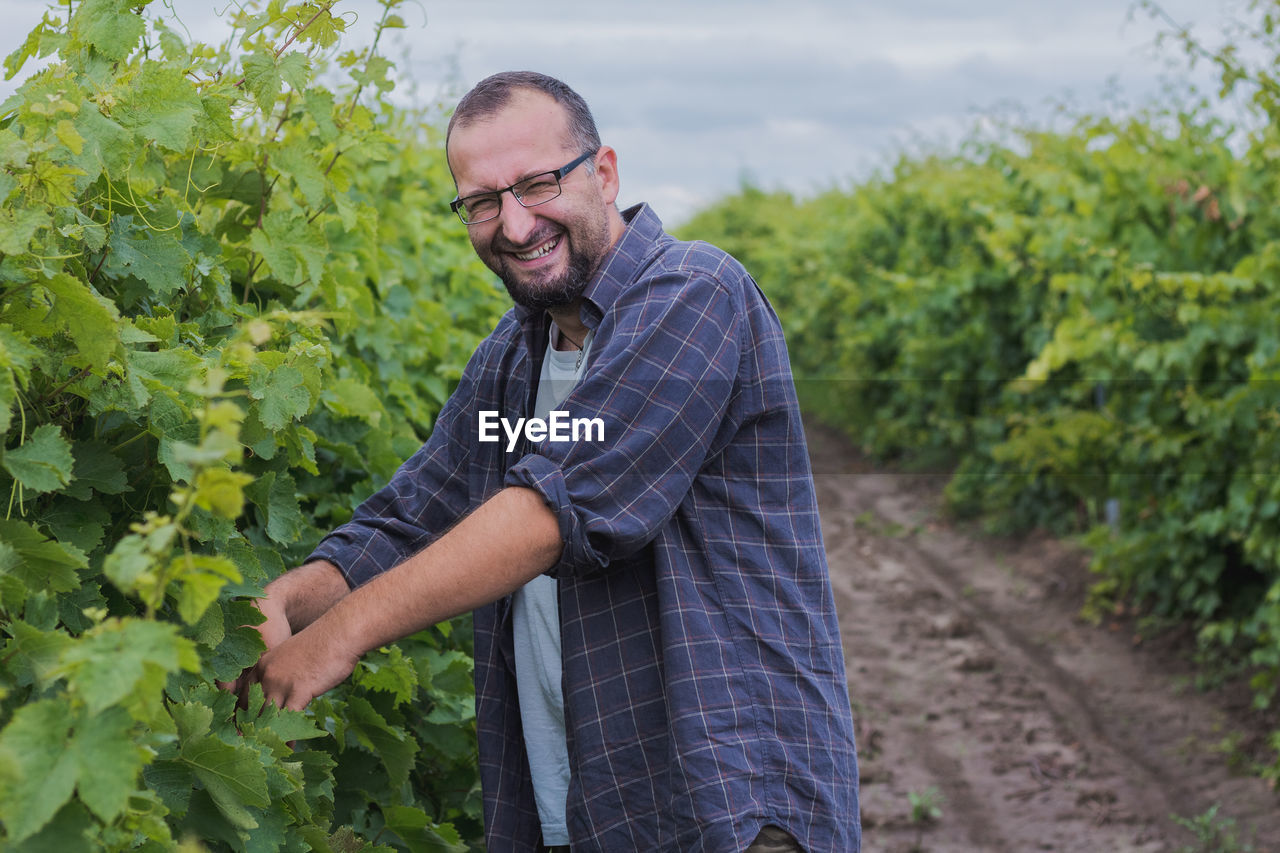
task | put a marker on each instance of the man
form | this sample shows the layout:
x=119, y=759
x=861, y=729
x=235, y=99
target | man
x=658, y=663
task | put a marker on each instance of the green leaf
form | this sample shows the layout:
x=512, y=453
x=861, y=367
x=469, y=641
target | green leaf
x=262, y=77
x=318, y=104
x=107, y=146
x=109, y=25
x=90, y=320
x=66, y=833
x=241, y=645
x=18, y=226
x=199, y=579
x=158, y=259
x=420, y=834
x=142, y=654
x=353, y=399
x=288, y=725
x=322, y=26
x=265, y=74
x=233, y=776
x=172, y=781
x=35, y=652
x=37, y=771
x=388, y=671
x=77, y=523
x=97, y=469
x=109, y=761
x=43, y=563
x=69, y=136
x=293, y=249
x=16, y=355
x=43, y=462
x=14, y=151
x=276, y=497
x=164, y=106
x=390, y=743
x=283, y=394
x=221, y=491
x=296, y=162
x=129, y=561
x=29, y=48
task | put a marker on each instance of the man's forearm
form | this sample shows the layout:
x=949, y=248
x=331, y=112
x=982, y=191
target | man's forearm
x=308, y=592
x=511, y=539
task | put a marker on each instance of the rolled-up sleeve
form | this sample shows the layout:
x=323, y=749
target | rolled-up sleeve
x=662, y=383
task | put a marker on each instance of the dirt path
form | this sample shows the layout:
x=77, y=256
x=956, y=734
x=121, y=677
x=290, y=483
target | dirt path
x=972, y=675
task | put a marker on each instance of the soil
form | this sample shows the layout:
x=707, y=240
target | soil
x=992, y=717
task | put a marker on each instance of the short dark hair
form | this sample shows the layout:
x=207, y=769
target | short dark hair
x=494, y=92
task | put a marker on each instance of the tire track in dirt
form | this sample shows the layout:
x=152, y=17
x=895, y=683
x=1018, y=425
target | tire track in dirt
x=972, y=676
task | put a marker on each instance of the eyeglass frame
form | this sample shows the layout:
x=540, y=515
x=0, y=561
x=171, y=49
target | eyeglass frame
x=558, y=174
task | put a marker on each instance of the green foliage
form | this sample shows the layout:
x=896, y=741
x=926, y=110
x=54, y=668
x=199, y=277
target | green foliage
x=231, y=302
x=1213, y=834
x=1082, y=323
x=926, y=806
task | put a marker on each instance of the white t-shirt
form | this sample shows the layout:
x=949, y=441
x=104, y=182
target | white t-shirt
x=535, y=620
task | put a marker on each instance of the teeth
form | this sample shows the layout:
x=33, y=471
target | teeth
x=538, y=253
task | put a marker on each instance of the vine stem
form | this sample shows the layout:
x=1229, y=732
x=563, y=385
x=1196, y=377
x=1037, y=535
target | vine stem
x=76, y=378
x=355, y=99
x=93, y=275
x=294, y=36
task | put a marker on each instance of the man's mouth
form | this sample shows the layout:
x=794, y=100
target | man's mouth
x=540, y=251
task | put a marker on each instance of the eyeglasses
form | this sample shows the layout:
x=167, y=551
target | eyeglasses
x=536, y=190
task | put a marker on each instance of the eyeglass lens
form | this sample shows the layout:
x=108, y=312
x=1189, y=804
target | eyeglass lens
x=535, y=190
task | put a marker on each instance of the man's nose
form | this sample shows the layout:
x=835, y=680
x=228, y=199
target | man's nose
x=518, y=222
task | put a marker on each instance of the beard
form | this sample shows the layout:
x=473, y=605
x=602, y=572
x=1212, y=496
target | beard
x=588, y=241
x=551, y=291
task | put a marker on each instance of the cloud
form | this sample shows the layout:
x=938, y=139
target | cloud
x=794, y=94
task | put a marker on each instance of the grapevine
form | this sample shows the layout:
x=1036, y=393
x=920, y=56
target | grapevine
x=231, y=301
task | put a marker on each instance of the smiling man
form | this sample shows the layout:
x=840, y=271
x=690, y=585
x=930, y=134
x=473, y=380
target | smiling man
x=658, y=663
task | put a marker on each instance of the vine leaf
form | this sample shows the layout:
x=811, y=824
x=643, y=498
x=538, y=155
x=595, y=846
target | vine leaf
x=233, y=776
x=109, y=26
x=41, y=563
x=90, y=320
x=164, y=107
x=37, y=774
x=142, y=654
x=43, y=463
x=276, y=497
x=50, y=750
x=158, y=259
x=282, y=393
x=96, y=469
x=265, y=74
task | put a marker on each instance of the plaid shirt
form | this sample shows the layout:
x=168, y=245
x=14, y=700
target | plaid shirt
x=704, y=682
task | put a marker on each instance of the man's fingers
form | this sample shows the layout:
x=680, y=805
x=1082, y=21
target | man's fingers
x=239, y=687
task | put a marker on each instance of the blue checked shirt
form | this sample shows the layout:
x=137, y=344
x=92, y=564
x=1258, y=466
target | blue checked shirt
x=704, y=682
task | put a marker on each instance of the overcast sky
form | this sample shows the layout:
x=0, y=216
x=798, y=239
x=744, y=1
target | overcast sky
x=794, y=94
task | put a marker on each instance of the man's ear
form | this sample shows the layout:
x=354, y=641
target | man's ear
x=607, y=173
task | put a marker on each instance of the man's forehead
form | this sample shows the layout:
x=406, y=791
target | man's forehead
x=519, y=135
x=529, y=113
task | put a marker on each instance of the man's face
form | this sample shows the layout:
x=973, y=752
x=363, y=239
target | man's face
x=545, y=255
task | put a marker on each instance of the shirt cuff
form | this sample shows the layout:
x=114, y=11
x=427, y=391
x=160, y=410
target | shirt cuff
x=347, y=558
x=545, y=477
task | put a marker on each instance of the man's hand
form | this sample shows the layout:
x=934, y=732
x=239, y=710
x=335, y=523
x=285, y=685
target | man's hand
x=303, y=666
x=291, y=603
x=274, y=630
x=509, y=540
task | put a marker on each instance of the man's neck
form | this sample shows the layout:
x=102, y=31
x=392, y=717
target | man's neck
x=572, y=330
